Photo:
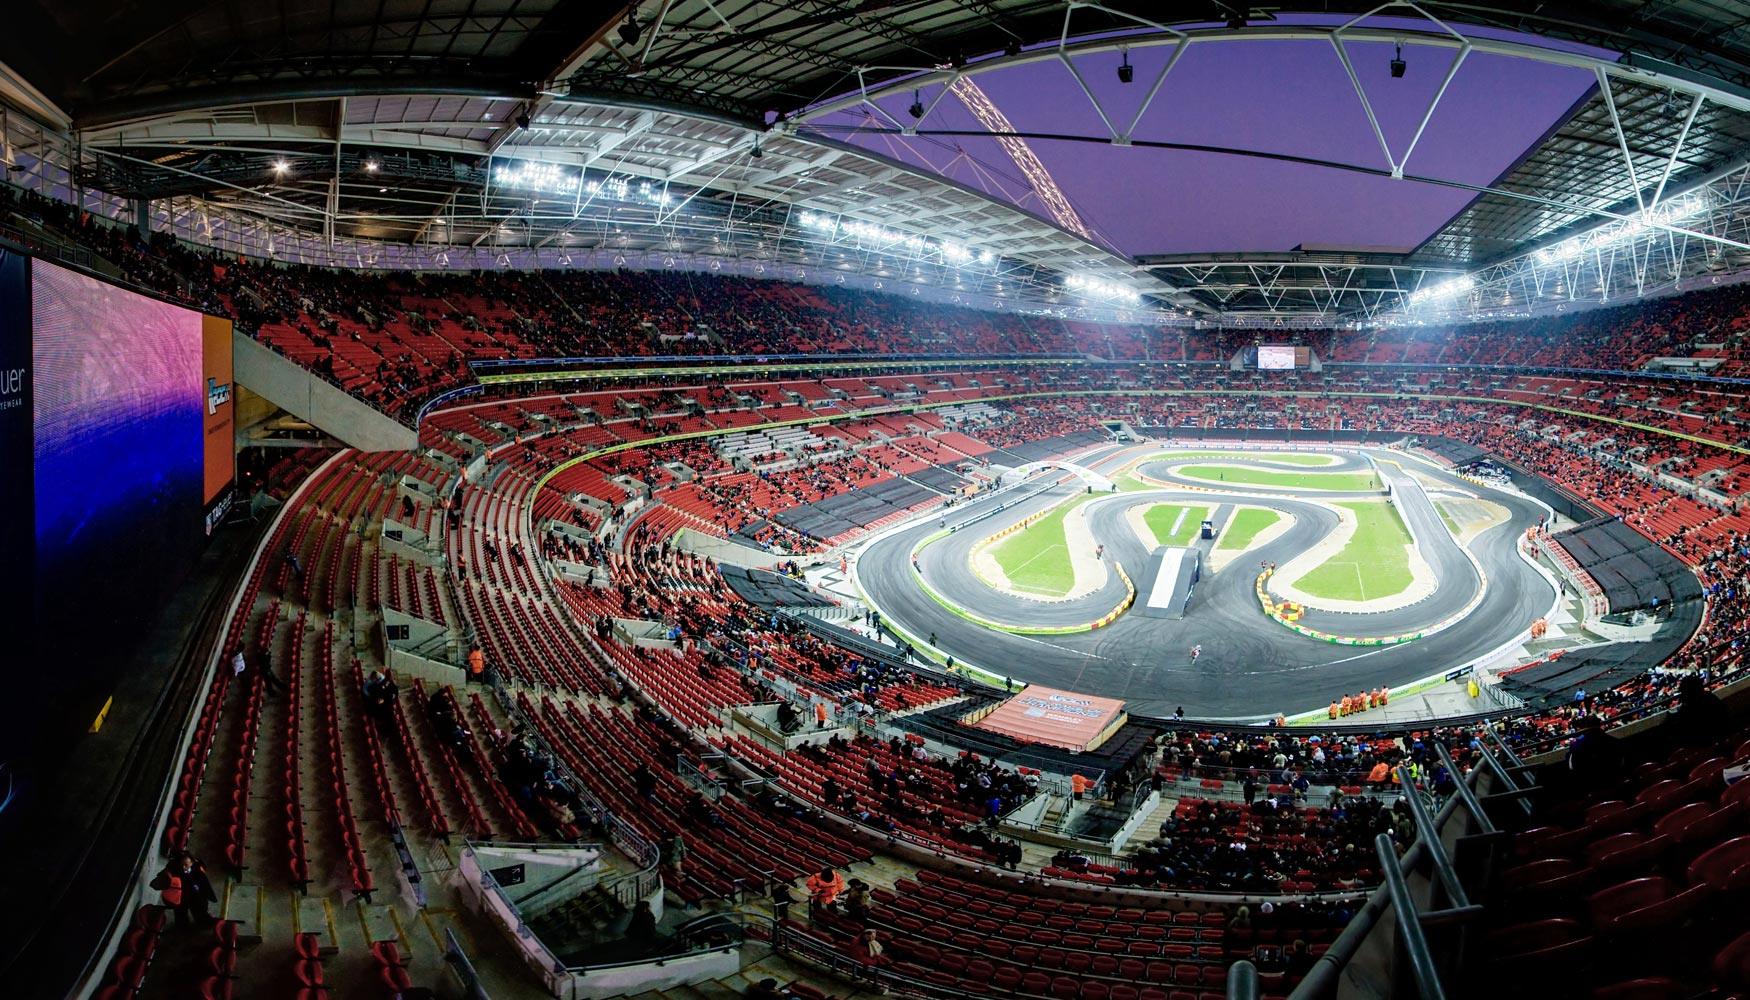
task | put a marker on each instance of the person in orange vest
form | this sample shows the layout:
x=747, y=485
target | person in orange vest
x=184, y=888
x=476, y=666
x=820, y=715
x=1348, y=704
x=1383, y=691
x=1078, y=786
x=1333, y=708
x=1380, y=775
x=824, y=888
x=1361, y=701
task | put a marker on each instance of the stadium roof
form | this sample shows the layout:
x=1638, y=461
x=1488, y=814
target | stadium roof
x=757, y=134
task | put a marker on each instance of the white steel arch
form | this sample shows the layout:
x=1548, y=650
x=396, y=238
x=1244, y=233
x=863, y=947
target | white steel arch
x=1088, y=476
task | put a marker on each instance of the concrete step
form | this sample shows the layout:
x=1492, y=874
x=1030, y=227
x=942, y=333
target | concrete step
x=316, y=916
x=242, y=903
x=1150, y=828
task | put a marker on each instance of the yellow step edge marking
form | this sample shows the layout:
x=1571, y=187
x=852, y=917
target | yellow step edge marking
x=102, y=713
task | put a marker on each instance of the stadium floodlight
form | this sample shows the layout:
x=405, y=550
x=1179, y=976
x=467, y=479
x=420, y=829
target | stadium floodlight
x=281, y=166
x=1013, y=48
x=530, y=175
x=1236, y=19
x=756, y=152
x=372, y=164
x=1096, y=288
x=1126, y=72
x=882, y=238
x=1669, y=213
x=1398, y=65
x=1444, y=290
x=522, y=120
x=630, y=32
x=917, y=105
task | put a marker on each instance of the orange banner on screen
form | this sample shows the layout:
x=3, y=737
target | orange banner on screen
x=221, y=446
x=1056, y=718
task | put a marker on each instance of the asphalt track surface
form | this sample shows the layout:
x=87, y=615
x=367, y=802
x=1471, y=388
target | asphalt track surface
x=1250, y=666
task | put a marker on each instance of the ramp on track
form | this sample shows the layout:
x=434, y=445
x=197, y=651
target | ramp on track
x=1176, y=572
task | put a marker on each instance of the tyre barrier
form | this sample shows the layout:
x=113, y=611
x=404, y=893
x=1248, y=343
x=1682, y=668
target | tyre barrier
x=1288, y=614
x=1280, y=613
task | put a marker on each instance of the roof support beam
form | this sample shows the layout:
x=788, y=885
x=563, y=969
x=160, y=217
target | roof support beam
x=1288, y=32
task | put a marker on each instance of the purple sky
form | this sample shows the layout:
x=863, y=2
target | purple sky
x=1289, y=97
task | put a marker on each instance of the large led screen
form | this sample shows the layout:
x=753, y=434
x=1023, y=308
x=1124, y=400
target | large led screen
x=132, y=456
x=1276, y=357
x=120, y=459
x=16, y=519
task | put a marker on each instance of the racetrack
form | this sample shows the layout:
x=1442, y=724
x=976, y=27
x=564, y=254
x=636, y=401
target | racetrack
x=1250, y=666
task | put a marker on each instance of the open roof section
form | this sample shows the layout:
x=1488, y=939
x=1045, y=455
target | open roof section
x=1238, y=143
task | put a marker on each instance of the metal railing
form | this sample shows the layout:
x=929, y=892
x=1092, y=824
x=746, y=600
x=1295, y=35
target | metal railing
x=462, y=968
x=1410, y=945
x=1449, y=905
x=628, y=888
x=1242, y=981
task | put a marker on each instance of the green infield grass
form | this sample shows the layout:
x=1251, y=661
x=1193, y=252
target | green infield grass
x=1375, y=563
x=1163, y=518
x=1036, y=559
x=1246, y=524
x=1238, y=476
x=1274, y=458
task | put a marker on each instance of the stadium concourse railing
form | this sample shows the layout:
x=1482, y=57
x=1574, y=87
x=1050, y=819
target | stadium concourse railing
x=49, y=248
x=1430, y=893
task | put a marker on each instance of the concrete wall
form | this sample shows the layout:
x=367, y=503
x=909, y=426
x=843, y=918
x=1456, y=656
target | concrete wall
x=550, y=877
x=405, y=664
x=420, y=633
x=307, y=397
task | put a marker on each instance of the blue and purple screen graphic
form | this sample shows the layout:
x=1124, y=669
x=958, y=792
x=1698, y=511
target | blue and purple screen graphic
x=118, y=441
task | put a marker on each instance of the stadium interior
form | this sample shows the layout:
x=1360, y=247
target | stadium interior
x=802, y=500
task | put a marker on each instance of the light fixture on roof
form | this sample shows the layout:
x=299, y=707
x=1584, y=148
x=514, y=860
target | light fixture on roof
x=372, y=165
x=522, y=119
x=281, y=166
x=1397, y=64
x=1013, y=48
x=630, y=32
x=756, y=152
x=917, y=105
x=957, y=60
x=1126, y=72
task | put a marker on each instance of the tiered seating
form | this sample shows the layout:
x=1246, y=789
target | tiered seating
x=296, y=846
x=352, y=848
x=954, y=934
x=237, y=831
x=366, y=735
x=749, y=851
x=924, y=811
x=415, y=762
x=479, y=827
x=1629, y=882
x=132, y=963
